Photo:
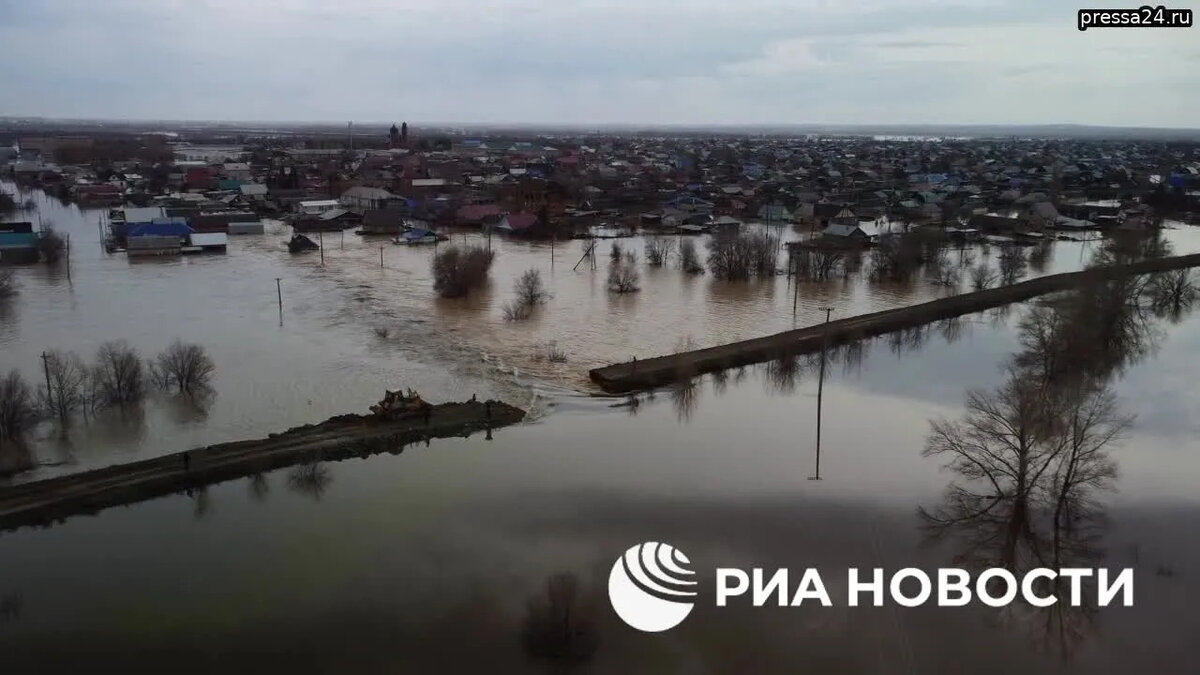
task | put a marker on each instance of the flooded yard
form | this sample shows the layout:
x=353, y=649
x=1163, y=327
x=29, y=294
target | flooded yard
x=428, y=561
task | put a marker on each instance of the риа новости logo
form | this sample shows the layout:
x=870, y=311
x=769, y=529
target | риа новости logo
x=651, y=587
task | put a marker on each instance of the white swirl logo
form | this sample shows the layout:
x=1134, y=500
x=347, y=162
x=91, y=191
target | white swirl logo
x=649, y=587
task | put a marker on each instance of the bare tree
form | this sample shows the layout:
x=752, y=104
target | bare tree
x=658, y=250
x=616, y=253
x=18, y=413
x=187, y=367
x=817, y=263
x=689, y=259
x=118, y=373
x=1040, y=255
x=530, y=292
x=738, y=257
x=68, y=376
x=1171, y=292
x=529, y=288
x=456, y=271
x=897, y=257
x=623, y=278
x=515, y=310
x=940, y=272
x=982, y=277
x=1011, y=264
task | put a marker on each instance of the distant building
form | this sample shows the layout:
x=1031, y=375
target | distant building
x=360, y=198
x=317, y=207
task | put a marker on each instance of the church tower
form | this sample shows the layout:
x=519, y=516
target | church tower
x=404, y=134
x=394, y=137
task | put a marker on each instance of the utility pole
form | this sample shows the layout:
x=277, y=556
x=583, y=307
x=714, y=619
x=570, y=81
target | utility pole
x=321, y=239
x=380, y=257
x=821, y=391
x=279, y=292
x=795, y=282
x=46, y=367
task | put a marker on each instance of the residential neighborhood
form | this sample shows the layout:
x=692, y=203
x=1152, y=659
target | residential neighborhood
x=842, y=190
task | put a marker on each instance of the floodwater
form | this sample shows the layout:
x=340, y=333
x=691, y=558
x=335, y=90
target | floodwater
x=428, y=561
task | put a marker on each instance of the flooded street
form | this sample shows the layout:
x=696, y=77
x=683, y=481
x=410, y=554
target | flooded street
x=428, y=561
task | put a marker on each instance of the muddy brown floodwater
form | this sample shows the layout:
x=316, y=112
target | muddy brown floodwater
x=427, y=561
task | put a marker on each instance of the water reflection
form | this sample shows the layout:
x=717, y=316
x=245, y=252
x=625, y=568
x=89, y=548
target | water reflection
x=201, y=502
x=121, y=426
x=684, y=398
x=11, y=607
x=1031, y=457
x=783, y=373
x=311, y=479
x=560, y=624
x=191, y=408
x=260, y=487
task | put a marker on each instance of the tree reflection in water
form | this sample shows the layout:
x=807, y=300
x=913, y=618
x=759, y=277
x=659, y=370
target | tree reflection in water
x=783, y=373
x=560, y=624
x=684, y=398
x=1032, y=455
x=311, y=479
x=11, y=606
x=259, y=487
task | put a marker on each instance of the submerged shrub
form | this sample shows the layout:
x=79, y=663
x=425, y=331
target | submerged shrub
x=623, y=278
x=456, y=271
x=689, y=259
x=738, y=257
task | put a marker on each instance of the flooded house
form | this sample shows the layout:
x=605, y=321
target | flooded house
x=517, y=223
x=161, y=237
x=18, y=243
x=361, y=199
x=383, y=221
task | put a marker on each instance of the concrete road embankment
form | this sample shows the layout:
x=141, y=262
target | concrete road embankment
x=664, y=370
x=46, y=501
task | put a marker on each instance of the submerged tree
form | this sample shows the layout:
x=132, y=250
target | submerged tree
x=530, y=292
x=186, y=367
x=18, y=413
x=1011, y=264
x=118, y=374
x=982, y=277
x=623, y=278
x=68, y=376
x=689, y=259
x=738, y=257
x=658, y=250
x=457, y=271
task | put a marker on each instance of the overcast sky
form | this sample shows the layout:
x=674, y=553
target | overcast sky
x=593, y=61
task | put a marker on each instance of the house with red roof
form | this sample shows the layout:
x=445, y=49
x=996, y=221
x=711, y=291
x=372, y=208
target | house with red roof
x=517, y=222
x=474, y=214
